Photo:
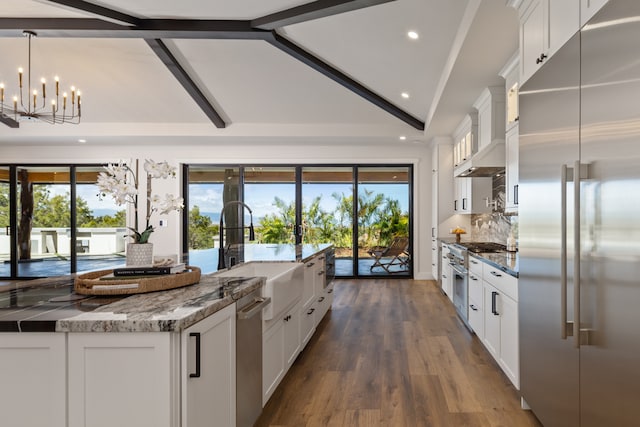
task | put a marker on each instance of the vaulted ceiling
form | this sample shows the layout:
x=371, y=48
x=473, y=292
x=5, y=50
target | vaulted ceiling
x=209, y=71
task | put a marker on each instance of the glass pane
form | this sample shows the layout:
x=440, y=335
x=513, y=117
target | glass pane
x=5, y=243
x=44, y=229
x=209, y=188
x=101, y=232
x=383, y=220
x=327, y=211
x=271, y=194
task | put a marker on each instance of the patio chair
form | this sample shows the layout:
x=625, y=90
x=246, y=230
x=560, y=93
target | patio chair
x=394, y=254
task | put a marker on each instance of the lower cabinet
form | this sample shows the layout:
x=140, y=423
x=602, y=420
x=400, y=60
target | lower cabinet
x=447, y=273
x=154, y=379
x=280, y=347
x=208, y=371
x=493, y=314
x=501, y=330
x=122, y=379
x=35, y=365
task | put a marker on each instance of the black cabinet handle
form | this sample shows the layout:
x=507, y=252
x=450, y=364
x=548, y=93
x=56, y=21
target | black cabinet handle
x=330, y=291
x=455, y=205
x=494, y=296
x=311, y=264
x=473, y=278
x=473, y=262
x=287, y=318
x=464, y=203
x=433, y=232
x=197, y=337
x=310, y=312
x=515, y=194
x=473, y=307
x=321, y=299
x=541, y=58
x=496, y=274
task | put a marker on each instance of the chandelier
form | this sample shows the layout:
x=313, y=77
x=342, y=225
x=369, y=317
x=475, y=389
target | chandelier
x=34, y=105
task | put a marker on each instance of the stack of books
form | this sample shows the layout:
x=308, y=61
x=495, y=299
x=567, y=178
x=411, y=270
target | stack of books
x=135, y=272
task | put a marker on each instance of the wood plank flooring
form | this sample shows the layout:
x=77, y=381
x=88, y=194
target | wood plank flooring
x=394, y=353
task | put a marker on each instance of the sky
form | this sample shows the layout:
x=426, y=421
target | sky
x=259, y=197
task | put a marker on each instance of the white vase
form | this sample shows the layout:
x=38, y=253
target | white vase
x=139, y=254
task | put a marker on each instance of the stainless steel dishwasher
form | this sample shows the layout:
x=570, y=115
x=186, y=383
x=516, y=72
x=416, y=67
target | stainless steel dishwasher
x=249, y=358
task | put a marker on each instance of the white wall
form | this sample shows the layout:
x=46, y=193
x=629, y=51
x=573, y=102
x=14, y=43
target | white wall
x=167, y=239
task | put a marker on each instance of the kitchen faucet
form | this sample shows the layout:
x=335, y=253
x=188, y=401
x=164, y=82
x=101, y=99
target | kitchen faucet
x=252, y=235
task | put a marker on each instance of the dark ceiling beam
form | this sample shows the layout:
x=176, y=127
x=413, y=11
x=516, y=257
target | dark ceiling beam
x=167, y=58
x=146, y=29
x=9, y=121
x=110, y=14
x=334, y=74
x=310, y=11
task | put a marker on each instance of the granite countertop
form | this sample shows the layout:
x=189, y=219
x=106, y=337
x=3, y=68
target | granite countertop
x=49, y=305
x=505, y=261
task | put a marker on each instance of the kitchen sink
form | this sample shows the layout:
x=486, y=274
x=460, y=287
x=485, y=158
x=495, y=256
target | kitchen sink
x=284, y=282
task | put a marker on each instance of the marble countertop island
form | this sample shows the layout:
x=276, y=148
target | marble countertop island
x=50, y=305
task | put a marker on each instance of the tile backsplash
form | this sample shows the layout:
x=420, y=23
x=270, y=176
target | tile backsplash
x=496, y=226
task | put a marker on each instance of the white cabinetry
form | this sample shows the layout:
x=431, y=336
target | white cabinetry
x=500, y=292
x=511, y=178
x=280, y=346
x=545, y=25
x=511, y=76
x=442, y=194
x=447, y=274
x=465, y=139
x=34, y=396
x=476, y=304
x=588, y=8
x=154, y=378
x=122, y=379
x=471, y=195
x=207, y=346
x=490, y=106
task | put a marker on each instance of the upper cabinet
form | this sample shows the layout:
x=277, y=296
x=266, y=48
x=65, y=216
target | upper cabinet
x=490, y=106
x=511, y=77
x=588, y=8
x=546, y=25
x=465, y=139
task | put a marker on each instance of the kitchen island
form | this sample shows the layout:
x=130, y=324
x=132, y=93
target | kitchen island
x=72, y=360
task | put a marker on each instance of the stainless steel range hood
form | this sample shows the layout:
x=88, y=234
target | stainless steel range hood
x=485, y=163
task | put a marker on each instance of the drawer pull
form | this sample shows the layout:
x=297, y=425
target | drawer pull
x=473, y=307
x=473, y=278
x=473, y=262
x=496, y=274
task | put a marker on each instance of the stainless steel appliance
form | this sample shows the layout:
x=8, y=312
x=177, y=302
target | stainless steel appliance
x=579, y=226
x=249, y=358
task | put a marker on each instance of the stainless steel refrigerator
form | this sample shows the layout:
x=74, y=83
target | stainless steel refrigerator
x=579, y=232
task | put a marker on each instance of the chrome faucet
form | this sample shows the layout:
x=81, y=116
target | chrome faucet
x=252, y=235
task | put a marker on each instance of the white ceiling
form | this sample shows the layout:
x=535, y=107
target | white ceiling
x=264, y=94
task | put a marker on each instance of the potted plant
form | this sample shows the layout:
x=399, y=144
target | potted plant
x=121, y=182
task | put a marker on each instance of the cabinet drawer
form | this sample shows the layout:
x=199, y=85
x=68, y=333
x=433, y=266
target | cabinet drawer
x=504, y=282
x=476, y=317
x=475, y=287
x=475, y=266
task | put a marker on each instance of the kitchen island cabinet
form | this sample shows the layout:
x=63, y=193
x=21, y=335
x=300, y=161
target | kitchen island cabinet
x=120, y=361
x=33, y=372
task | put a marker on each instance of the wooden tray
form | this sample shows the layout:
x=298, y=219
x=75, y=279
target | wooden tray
x=91, y=284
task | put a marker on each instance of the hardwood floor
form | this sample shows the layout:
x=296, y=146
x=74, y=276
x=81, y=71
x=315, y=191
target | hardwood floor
x=394, y=353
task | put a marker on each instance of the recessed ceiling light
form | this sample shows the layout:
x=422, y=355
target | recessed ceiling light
x=82, y=141
x=402, y=138
x=405, y=95
x=413, y=35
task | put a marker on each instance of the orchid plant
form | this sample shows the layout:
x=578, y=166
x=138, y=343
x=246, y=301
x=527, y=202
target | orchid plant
x=121, y=183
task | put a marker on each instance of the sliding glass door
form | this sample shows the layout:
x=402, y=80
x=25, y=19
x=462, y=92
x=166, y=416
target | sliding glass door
x=364, y=211
x=383, y=221
x=327, y=211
